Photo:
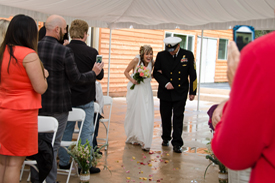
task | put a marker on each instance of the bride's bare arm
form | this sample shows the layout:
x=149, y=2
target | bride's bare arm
x=131, y=66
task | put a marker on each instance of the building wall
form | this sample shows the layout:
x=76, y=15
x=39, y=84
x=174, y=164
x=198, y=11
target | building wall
x=125, y=46
x=126, y=43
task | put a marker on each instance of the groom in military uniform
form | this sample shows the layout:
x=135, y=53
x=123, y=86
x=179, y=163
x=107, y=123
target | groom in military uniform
x=173, y=70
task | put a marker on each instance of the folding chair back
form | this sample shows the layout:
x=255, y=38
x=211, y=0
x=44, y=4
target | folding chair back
x=46, y=124
x=77, y=115
x=108, y=103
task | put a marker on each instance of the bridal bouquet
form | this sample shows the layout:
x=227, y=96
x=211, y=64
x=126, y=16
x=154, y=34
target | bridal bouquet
x=141, y=73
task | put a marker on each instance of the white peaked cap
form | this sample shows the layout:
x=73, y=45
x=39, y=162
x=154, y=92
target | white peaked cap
x=172, y=41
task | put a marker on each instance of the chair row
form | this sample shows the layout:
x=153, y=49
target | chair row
x=48, y=124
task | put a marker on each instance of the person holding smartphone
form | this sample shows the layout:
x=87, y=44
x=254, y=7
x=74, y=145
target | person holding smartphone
x=59, y=60
x=98, y=58
x=82, y=95
x=244, y=125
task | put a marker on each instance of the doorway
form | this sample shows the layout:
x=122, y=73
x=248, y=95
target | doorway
x=209, y=52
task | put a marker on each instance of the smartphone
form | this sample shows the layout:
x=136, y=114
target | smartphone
x=98, y=58
x=242, y=35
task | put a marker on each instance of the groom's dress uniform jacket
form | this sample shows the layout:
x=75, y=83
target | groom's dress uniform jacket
x=175, y=71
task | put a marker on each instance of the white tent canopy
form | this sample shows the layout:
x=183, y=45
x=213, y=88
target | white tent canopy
x=150, y=14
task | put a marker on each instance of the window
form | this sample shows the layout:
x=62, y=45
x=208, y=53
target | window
x=222, y=49
x=168, y=34
x=187, y=40
x=190, y=43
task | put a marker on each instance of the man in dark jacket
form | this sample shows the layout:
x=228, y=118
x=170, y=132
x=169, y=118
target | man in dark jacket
x=173, y=70
x=59, y=61
x=83, y=95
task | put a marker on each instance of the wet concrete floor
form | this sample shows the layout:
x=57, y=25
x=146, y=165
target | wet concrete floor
x=128, y=163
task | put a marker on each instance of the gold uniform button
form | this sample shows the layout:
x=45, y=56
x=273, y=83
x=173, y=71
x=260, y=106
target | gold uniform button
x=179, y=85
x=171, y=79
x=171, y=73
x=179, y=72
x=179, y=78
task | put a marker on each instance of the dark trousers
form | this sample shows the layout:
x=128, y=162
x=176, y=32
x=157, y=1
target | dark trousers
x=174, y=110
x=96, y=129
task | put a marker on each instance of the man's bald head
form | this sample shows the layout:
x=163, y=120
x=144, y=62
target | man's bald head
x=53, y=21
x=55, y=26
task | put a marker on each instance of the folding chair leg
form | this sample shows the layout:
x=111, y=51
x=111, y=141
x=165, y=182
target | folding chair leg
x=70, y=171
x=29, y=177
x=33, y=166
x=106, y=141
x=22, y=171
x=107, y=135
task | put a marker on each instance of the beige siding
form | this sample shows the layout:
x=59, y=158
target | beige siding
x=125, y=45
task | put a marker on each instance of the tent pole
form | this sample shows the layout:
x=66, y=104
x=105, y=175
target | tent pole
x=199, y=81
x=109, y=61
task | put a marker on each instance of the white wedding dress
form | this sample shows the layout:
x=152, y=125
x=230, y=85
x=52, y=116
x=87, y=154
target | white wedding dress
x=139, y=119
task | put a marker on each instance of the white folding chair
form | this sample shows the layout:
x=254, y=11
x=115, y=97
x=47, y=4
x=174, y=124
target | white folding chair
x=77, y=115
x=108, y=102
x=46, y=124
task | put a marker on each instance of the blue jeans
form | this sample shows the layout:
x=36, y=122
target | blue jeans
x=87, y=131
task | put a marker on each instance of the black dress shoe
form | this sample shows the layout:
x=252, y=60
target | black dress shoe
x=98, y=151
x=177, y=149
x=165, y=143
x=66, y=167
x=92, y=170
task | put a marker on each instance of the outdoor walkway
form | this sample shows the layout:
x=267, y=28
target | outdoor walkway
x=128, y=163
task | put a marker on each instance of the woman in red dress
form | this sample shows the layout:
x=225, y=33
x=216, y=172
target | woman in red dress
x=22, y=81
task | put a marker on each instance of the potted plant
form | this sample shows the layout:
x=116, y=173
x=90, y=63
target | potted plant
x=223, y=172
x=85, y=156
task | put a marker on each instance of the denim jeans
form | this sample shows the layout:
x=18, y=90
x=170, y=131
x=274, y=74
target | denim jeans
x=87, y=131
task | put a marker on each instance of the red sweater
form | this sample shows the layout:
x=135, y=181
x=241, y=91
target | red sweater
x=245, y=137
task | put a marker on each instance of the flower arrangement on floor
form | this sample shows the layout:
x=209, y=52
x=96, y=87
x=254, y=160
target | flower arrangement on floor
x=85, y=155
x=142, y=73
x=223, y=172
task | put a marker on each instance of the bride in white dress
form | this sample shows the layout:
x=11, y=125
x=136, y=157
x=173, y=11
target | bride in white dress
x=139, y=119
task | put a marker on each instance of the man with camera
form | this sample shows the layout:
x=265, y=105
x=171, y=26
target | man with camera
x=83, y=95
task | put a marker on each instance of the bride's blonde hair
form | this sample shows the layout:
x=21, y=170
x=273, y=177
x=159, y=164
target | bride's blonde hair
x=145, y=49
